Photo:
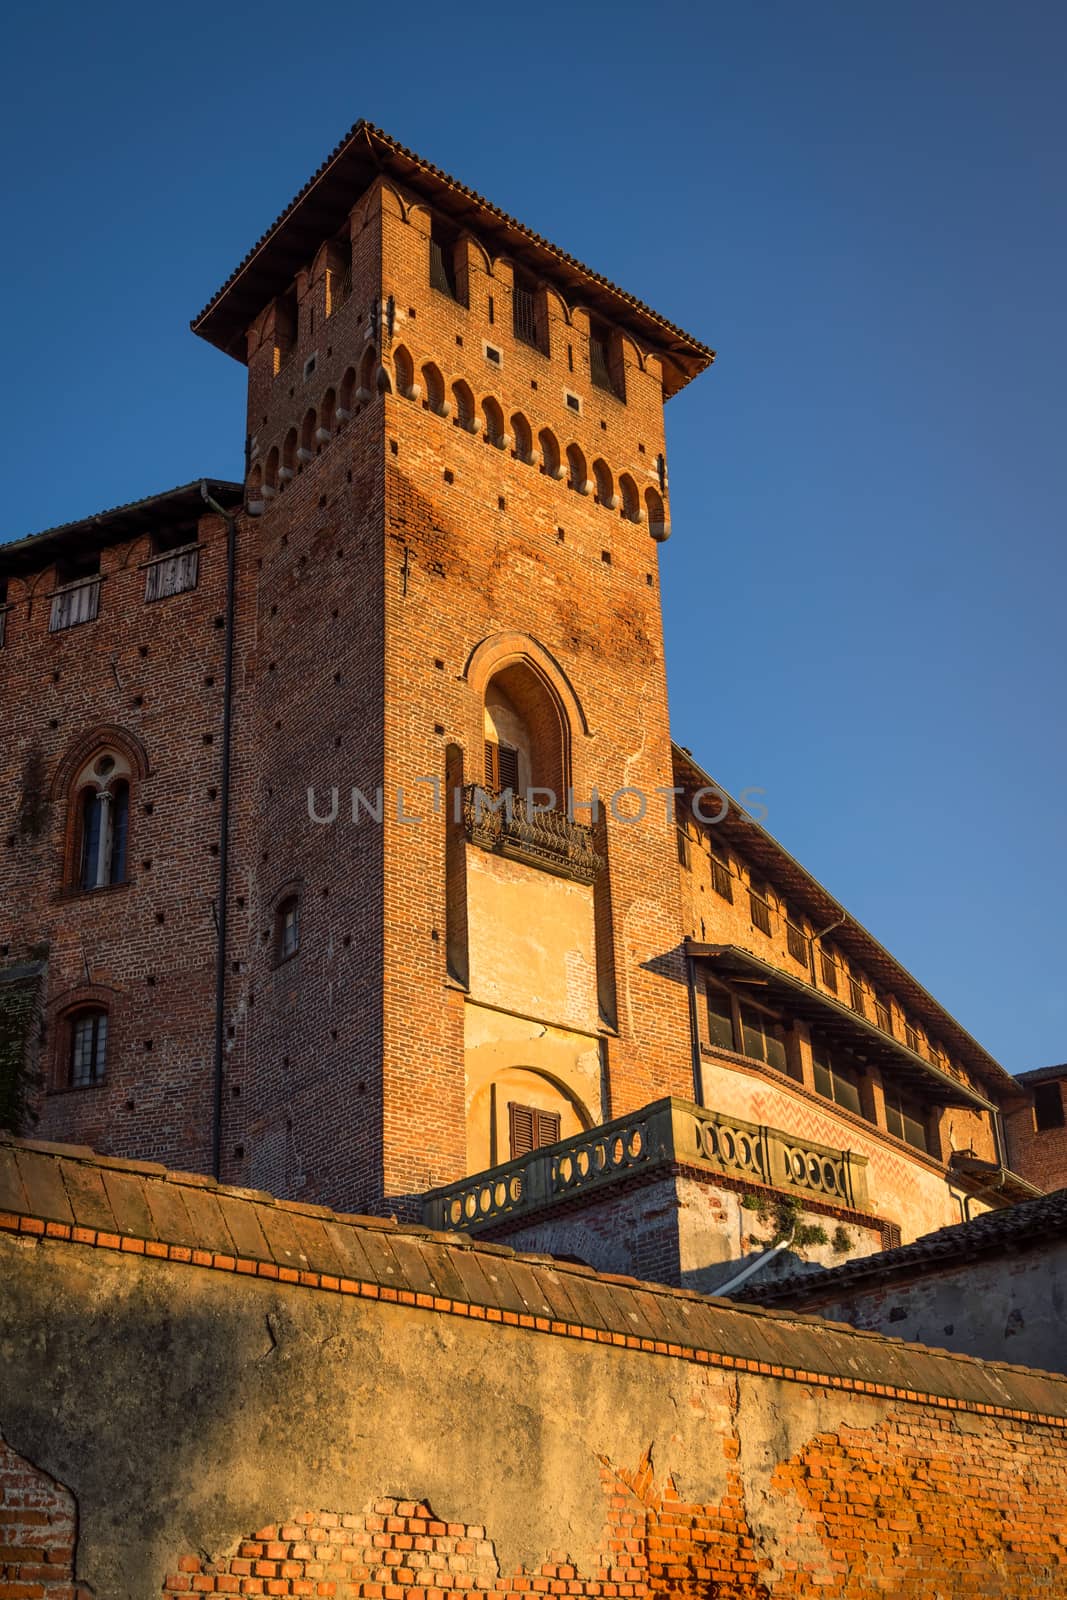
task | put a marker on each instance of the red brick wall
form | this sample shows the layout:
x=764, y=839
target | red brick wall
x=1038, y=1154
x=909, y=1509
x=38, y=1529
x=145, y=948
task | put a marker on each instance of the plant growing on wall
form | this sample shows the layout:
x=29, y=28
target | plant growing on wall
x=784, y=1213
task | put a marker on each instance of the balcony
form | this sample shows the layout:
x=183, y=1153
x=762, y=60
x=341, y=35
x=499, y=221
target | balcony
x=507, y=824
x=664, y=1134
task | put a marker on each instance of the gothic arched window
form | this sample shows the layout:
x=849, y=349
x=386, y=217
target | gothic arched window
x=101, y=817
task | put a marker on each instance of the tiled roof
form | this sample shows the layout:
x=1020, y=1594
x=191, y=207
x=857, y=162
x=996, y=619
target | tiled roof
x=324, y=202
x=1042, y=1075
x=1004, y=1232
x=119, y=522
x=66, y=1193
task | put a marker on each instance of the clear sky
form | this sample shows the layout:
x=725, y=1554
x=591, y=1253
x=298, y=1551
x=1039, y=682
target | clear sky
x=861, y=207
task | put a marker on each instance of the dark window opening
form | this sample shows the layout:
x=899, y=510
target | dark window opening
x=829, y=971
x=855, y=996
x=605, y=366
x=526, y=314
x=287, y=934
x=1048, y=1106
x=883, y=1015
x=531, y=1129
x=797, y=942
x=443, y=260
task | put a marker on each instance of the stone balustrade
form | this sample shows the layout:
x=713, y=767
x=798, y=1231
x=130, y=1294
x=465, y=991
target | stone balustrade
x=667, y=1132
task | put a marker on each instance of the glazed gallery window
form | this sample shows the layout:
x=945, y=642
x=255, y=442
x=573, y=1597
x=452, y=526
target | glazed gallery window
x=102, y=820
x=88, y=1048
x=835, y=1078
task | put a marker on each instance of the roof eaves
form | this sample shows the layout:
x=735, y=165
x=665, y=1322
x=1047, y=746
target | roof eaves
x=738, y=814
x=382, y=145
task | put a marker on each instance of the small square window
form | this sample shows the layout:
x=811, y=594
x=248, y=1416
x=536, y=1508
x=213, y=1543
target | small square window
x=572, y=401
x=493, y=354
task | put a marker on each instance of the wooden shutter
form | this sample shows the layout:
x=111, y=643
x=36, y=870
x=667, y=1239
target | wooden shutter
x=547, y=1128
x=501, y=766
x=523, y=1125
x=530, y=1129
x=508, y=767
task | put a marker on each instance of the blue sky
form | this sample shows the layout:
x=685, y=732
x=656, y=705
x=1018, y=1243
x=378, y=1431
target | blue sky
x=860, y=207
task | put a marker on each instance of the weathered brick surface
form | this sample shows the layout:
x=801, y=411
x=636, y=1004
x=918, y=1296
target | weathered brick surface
x=38, y=1529
x=910, y=1508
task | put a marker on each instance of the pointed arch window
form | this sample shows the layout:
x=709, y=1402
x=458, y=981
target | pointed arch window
x=101, y=822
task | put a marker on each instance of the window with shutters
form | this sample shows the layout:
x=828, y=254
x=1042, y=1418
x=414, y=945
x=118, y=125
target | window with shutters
x=758, y=907
x=76, y=597
x=531, y=1129
x=828, y=967
x=855, y=995
x=911, y=1037
x=797, y=941
x=721, y=878
x=883, y=1014
x=501, y=767
x=174, y=566
x=684, y=859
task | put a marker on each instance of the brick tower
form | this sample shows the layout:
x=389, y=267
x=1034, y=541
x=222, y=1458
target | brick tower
x=457, y=467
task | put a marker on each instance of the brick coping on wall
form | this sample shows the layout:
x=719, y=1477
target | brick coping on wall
x=67, y=1193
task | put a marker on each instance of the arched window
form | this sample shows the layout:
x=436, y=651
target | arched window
x=328, y=412
x=368, y=376
x=346, y=395
x=658, y=526
x=494, y=423
x=87, y=1047
x=405, y=372
x=307, y=437
x=605, y=487
x=464, y=403
x=255, y=485
x=101, y=821
x=631, y=500
x=288, y=466
x=434, y=386
x=577, y=476
x=525, y=734
x=270, y=472
x=287, y=928
x=549, y=453
x=523, y=436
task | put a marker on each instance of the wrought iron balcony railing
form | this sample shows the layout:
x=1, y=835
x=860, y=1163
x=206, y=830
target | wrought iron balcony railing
x=665, y=1133
x=506, y=822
